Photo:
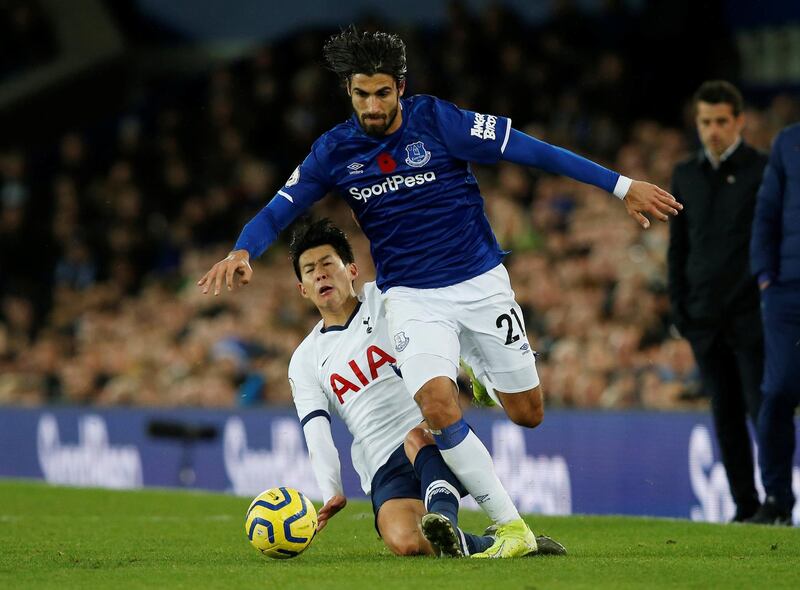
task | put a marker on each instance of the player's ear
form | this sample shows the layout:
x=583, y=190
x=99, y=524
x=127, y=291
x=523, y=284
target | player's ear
x=303, y=290
x=401, y=87
x=348, y=87
x=352, y=271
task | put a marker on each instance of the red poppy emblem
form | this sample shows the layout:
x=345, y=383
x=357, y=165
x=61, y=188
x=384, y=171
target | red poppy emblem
x=386, y=163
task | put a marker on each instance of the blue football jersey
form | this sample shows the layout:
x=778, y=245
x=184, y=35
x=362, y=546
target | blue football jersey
x=412, y=192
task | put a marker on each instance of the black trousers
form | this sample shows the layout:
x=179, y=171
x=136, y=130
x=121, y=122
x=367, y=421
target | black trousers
x=731, y=363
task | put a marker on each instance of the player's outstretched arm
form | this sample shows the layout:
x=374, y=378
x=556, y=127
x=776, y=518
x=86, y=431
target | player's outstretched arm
x=641, y=198
x=232, y=270
x=324, y=461
x=331, y=508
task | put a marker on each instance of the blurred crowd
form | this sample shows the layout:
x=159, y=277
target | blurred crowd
x=26, y=37
x=103, y=240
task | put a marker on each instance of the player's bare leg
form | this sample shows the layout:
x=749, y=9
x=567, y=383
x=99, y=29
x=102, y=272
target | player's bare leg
x=525, y=408
x=438, y=401
x=399, y=526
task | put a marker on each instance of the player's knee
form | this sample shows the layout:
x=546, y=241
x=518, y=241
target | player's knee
x=416, y=438
x=526, y=408
x=531, y=418
x=440, y=413
x=438, y=402
x=404, y=545
x=406, y=549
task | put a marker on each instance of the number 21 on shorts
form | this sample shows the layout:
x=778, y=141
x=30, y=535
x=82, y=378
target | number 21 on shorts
x=504, y=322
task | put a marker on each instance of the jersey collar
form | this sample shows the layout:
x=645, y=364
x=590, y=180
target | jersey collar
x=325, y=330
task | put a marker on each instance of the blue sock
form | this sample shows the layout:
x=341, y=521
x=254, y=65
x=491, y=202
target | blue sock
x=441, y=490
x=477, y=543
x=449, y=437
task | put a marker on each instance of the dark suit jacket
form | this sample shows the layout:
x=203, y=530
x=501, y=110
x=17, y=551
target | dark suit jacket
x=775, y=249
x=710, y=284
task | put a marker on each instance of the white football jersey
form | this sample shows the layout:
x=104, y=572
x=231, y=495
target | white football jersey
x=349, y=370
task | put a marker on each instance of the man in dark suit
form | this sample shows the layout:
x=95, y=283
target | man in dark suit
x=714, y=298
x=775, y=261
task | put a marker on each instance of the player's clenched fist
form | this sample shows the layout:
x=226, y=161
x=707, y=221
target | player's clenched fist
x=235, y=265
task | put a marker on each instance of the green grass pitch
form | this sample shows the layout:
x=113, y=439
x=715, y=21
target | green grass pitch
x=56, y=537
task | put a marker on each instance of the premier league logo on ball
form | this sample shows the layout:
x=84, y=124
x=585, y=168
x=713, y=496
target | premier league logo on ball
x=416, y=154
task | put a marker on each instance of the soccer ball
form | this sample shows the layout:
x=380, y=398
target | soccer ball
x=281, y=523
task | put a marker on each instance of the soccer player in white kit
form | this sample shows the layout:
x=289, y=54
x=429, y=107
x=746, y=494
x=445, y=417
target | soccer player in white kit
x=402, y=165
x=343, y=367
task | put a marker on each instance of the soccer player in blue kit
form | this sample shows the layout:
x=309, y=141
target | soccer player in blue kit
x=402, y=165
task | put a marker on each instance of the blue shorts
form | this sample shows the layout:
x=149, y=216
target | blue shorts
x=395, y=479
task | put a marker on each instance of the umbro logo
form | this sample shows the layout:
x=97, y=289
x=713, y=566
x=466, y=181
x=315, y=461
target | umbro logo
x=356, y=168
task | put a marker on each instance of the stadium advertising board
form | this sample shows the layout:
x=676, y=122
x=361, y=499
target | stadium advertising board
x=639, y=463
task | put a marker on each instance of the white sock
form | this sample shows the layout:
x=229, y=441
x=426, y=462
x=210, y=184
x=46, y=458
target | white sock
x=473, y=465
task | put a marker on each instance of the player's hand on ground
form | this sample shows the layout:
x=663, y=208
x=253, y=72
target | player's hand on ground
x=645, y=198
x=331, y=507
x=234, y=267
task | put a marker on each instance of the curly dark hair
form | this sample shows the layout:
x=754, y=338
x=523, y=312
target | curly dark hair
x=319, y=233
x=361, y=52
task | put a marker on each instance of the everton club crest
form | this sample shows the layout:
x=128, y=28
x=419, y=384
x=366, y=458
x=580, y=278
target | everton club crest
x=401, y=341
x=416, y=154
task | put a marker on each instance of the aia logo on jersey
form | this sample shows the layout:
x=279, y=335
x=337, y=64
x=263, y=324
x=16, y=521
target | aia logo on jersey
x=376, y=358
x=386, y=163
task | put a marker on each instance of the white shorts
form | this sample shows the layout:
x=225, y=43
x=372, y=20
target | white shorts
x=478, y=320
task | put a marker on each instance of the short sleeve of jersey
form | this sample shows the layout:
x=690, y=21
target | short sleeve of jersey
x=309, y=397
x=470, y=136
